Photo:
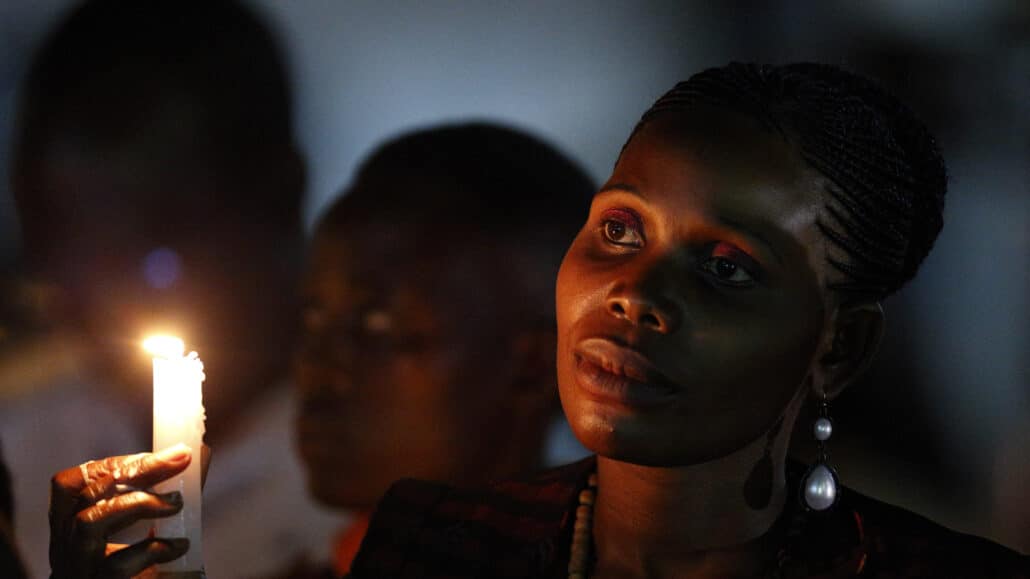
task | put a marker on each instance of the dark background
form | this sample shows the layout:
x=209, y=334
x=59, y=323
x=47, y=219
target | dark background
x=941, y=423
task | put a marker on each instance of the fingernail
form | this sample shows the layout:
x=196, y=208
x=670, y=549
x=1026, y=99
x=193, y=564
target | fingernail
x=178, y=544
x=173, y=498
x=174, y=455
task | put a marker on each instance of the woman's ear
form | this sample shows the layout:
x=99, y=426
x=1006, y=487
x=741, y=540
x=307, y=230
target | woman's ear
x=858, y=329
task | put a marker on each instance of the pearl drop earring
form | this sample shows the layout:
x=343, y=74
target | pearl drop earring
x=820, y=486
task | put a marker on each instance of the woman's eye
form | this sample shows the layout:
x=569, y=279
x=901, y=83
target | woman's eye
x=726, y=271
x=621, y=228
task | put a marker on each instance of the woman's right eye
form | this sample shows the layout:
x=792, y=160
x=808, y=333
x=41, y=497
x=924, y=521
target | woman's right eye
x=622, y=228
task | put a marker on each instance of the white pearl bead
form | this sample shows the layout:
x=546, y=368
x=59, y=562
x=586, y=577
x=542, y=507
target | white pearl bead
x=823, y=429
x=820, y=488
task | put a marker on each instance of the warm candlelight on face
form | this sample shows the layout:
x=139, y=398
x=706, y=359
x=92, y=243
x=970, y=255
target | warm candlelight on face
x=179, y=419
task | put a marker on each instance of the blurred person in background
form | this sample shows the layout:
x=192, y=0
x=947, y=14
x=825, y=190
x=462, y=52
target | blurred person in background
x=428, y=333
x=159, y=189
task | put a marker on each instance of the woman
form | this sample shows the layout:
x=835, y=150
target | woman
x=730, y=272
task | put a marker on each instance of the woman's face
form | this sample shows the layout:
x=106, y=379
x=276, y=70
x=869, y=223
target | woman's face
x=691, y=304
x=405, y=354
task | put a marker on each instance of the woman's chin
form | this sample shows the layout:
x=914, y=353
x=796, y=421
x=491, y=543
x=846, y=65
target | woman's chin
x=616, y=440
x=643, y=444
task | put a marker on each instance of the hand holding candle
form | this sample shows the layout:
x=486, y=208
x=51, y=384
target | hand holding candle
x=91, y=501
x=179, y=419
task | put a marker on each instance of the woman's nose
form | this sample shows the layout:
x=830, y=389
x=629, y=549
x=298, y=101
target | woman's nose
x=650, y=312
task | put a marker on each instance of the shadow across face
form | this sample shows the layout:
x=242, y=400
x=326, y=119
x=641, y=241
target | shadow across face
x=691, y=305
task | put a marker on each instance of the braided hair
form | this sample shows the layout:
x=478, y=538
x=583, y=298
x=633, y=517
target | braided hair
x=886, y=179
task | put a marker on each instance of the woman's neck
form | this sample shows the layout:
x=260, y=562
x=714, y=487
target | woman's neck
x=692, y=520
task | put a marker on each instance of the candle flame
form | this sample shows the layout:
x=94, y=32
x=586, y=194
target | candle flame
x=168, y=347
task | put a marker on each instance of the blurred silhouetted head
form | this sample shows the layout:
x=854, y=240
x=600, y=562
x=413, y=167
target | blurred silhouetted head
x=157, y=180
x=429, y=325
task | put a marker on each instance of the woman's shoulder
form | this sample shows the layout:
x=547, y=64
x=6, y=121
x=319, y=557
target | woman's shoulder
x=512, y=527
x=900, y=543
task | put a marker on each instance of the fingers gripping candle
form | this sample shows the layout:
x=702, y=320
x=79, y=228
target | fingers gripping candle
x=179, y=419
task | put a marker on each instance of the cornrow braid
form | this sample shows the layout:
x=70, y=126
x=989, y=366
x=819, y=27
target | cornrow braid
x=886, y=178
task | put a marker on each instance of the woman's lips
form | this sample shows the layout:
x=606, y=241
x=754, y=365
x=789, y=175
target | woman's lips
x=612, y=372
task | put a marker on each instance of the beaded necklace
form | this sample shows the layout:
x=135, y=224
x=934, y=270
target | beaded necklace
x=580, y=553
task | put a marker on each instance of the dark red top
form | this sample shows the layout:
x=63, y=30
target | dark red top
x=522, y=528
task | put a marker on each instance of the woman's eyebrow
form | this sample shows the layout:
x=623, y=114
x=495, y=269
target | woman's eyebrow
x=752, y=231
x=622, y=188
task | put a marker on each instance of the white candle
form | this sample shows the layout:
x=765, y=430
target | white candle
x=179, y=418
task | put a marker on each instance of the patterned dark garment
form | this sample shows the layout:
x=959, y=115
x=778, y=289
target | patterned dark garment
x=523, y=529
